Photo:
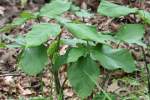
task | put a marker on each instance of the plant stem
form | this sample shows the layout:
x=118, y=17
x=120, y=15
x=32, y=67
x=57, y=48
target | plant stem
x=58, y=39
x=59, y=88
x=147, y=69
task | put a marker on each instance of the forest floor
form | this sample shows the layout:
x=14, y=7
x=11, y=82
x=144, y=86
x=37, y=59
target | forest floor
x=15, y=84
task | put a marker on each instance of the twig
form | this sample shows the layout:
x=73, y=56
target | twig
x=108, y=77
x=4, y=75
x=147, y=69
x=63, y=85
x=104, y=92
x=118, y=44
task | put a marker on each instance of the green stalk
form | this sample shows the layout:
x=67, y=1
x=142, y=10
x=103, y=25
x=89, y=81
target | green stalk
x=59, y=89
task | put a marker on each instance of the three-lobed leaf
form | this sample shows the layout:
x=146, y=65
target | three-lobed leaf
x=83, y=73
x=33, y=60
x=113, y=10
x=114, y=58
x=82, y=76
x=40, y=33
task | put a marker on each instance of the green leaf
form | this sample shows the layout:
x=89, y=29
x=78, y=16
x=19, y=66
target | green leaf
x=87, y=32
x=27, y=15
x=101, y=96
x=7, y=28
x=131, y=33
x=114, y=58
x=2, y=45
x=52, y=48
x=73, y=42
x=113, y=10
x=75, y=53
x=71, y=55
x=82, y=76
x=33, y=60
x=62, y=20
x=40, y=33
x=74, y=8
x=19, y=21
x=144, y=15
x=130, y=81
x=55, y=8
x=84, y=13
x=24, y=16
x=58, y=60
x=17, y=42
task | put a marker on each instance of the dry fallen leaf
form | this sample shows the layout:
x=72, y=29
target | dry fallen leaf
x=113, y=87
x=2, y=9
x=9, y=80
x=68, y=92
x=27, y=92
x=24, y=91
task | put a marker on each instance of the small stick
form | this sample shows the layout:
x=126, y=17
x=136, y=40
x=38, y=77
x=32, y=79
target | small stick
x=4, y=75
x=147, y=69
